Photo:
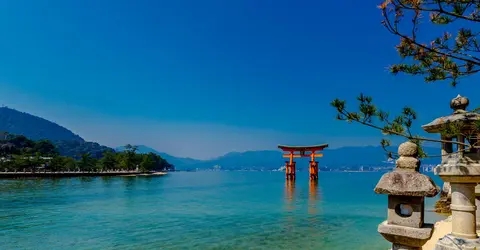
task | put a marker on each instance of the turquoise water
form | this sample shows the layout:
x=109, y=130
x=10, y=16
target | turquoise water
x=202, y=210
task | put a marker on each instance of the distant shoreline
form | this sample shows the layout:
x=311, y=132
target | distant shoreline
x=273, y=170
x=15, y=175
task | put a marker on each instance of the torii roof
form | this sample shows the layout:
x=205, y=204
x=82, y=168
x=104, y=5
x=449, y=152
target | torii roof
x=303, y=148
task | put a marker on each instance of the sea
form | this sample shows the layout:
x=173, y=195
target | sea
x=196, y=210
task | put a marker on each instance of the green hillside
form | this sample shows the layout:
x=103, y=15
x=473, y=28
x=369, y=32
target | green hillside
x=36, y=128
x=33, y=127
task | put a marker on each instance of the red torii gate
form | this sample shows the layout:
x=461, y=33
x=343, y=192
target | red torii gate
x=290, y=165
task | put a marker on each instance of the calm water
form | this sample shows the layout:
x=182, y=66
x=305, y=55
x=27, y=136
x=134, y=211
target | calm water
x=203, y=210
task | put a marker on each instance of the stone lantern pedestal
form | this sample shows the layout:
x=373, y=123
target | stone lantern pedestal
x=406, y=189
x=462, y=170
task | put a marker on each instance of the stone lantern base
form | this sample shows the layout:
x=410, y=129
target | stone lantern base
x=406, y=237
x=450, y=242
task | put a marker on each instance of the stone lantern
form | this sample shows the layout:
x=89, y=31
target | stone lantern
x=406, y=189
x=462, y=170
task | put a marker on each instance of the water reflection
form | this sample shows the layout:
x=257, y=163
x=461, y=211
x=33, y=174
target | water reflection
x=129, y=183
x=313, y=197
x=302, y=205
x=289, y=219
x=107, y=181
x=290, y=194
x=86, y=178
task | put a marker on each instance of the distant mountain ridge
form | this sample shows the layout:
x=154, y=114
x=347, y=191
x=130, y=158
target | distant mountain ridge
x=37, y=128
x=33, y=127
x=176, y=161
x=272, y=159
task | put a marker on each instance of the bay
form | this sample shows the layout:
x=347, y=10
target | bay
x=196, y=210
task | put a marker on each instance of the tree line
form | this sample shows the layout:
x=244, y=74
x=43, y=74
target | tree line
x=19, y=153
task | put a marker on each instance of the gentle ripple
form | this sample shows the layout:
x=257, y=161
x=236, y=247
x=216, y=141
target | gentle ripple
x=203, y=210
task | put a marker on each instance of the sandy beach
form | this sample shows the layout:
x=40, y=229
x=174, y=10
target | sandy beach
x=442, y=228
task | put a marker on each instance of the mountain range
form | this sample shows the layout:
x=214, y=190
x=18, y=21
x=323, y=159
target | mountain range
x=71, y=144
x=346, y=157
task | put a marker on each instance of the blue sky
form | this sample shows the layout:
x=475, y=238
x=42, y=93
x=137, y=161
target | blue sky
x=202, y=78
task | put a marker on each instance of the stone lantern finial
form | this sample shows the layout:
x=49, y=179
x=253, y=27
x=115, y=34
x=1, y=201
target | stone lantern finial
x=459, y=103
x=408, y=161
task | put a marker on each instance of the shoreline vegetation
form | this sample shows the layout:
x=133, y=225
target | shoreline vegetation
x=22, y=157
x=67, y=174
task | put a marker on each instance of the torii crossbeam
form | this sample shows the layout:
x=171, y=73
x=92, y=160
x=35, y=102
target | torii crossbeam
x=303, y=151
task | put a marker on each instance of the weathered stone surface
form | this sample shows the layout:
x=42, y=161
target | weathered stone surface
x=409, y=163
x=460, y=115
x=415, y=237
x=403, y=247
x=463, y=210
x=460, y=168
x=408, y=152
x=406, y=183
x=395, y=216
x=477, y=213
x=438, y=124
x=459, y=103
x=446, y=190
x=477, y=203
x=450, y=242
x=408, y=149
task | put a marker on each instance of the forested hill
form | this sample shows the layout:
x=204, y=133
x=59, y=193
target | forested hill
x=33, y=127
x=36, y=128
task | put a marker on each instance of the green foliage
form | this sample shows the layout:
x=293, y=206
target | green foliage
x=368, y=114
x=76, y=149
x=109, y=161
x=444, y=56
x=148, y=162
x=160, y=164
x=23, y=162
x=17, y=153
x=451, y=129
x=401, y=125
x=87, y=163
x=128, y=159
x=45, y=148
x=19, y=144
x=69, y=163
x=61, y=163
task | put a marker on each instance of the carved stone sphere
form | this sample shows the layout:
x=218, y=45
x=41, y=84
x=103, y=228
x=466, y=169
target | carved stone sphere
x=459, y=103
x=408, y=149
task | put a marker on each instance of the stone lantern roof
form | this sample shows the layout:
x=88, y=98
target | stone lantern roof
x=459, y=105
x=405, y=180
x=407, y=184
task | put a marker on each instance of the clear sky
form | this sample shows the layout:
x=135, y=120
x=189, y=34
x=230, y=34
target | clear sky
x=202, y=78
